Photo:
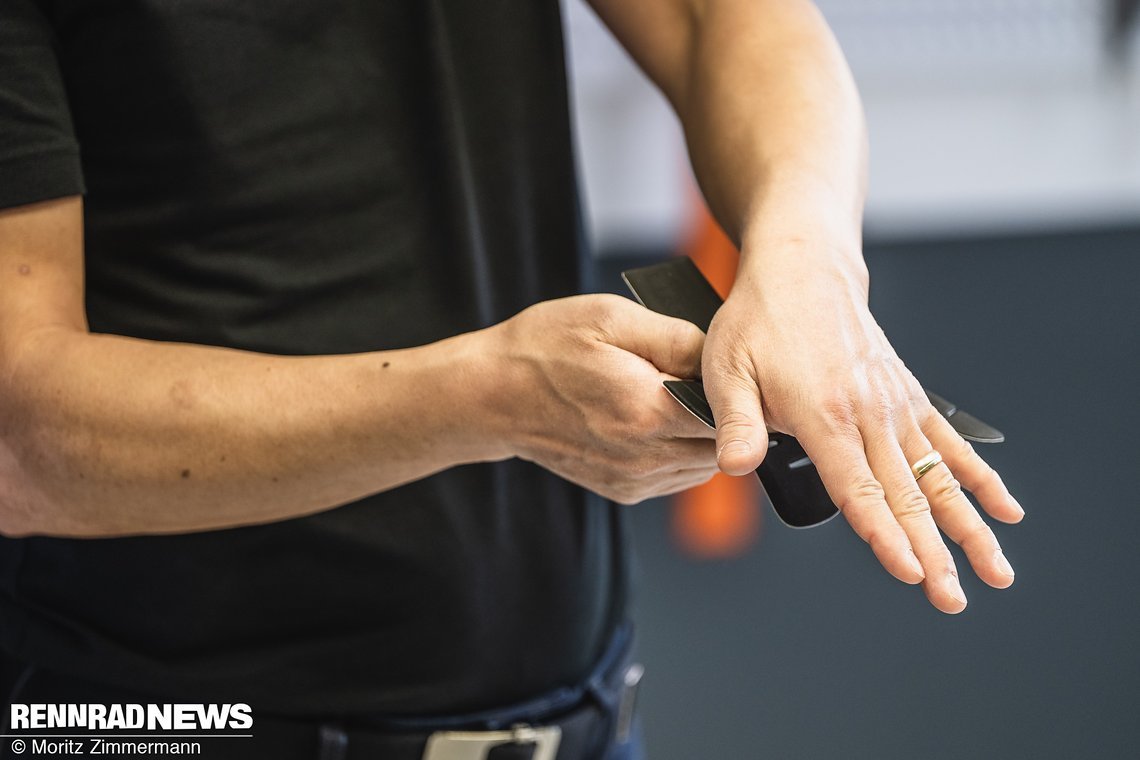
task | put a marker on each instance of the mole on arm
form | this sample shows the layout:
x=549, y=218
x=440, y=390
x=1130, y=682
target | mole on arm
x=385, y=365
x=185, y=474
x=25, y=269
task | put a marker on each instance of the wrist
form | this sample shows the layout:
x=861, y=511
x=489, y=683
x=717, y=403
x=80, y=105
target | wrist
x=801, y=212
x=806, y=257
x=490, y=391
x=455, y=397
x=803, y=239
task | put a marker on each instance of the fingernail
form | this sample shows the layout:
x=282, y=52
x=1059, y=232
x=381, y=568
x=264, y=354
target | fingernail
x=1003, y=564
x=915, y=565
x=956, y=592
x=734, y=447
x=1020, y=509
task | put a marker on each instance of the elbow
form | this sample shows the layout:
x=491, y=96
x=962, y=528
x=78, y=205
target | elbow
x=13, y=529
x=14, y=496
x=28, y=509
x=16, y=508
x=34, y=457
x=19, y=496
x=25, y=502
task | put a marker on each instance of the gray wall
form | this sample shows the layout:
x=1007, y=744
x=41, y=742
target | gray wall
x=805, y=648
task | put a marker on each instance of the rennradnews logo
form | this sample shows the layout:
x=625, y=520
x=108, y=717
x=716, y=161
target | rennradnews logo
x=150, y=717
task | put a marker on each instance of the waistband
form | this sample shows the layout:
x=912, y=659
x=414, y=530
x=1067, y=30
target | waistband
x=589, y=720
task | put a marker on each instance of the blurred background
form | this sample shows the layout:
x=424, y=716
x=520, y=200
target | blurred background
x=1003, y=239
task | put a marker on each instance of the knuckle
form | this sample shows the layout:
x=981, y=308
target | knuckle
x=987, y=475
x=725, y=361
x=618, y=489
x=977, y=474
x=631, y=417
x=864, y=494
x=684, y=337
x=962, y=450
x=881, y=407
x=978, y=536
x=877, y=436
x=735, y=420
x=679, y=350
x=631, y=480
x=607, y=304
x=642, y=422
x=914, y=394
x=924, y=411
x=838, y=410
x=947, y=488
x=604, y=310
x=634, y=494
x=912, y=505
x=618, y=495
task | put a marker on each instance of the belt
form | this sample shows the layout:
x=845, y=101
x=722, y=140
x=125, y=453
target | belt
x=589, y=721
x=585, y=733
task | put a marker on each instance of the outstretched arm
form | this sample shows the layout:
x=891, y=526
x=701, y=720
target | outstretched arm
x=777, y=139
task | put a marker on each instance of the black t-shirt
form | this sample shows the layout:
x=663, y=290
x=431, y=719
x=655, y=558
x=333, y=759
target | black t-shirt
x=313, y=177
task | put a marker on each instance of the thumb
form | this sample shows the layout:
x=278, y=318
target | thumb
x=741, y=436
x=671, y=345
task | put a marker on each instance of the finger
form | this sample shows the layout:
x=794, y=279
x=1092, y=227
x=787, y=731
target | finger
x=972, y=471
x=686, y=425
x=958, y=518
x=683, y=480
x=912, y=511
x=663, y=484
x=842, y=465
x=679, y=421
x=684, y=454
x=672, y=345
x=741, y=436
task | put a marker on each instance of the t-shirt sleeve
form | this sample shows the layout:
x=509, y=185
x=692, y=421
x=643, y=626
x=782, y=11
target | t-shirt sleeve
x=39, y=154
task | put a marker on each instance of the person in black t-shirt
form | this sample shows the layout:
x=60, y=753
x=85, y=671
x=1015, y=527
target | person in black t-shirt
x=297, y=402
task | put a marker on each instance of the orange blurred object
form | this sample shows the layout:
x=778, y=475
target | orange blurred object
x=721, y=518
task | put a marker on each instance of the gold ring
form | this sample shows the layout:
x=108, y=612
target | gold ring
x=926, y=464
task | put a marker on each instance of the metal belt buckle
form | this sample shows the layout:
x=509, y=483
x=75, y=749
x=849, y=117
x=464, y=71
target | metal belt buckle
x=474, y=745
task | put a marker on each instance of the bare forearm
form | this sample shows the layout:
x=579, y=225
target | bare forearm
x=772, y=117
x=774, y=123
x=103, y=435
